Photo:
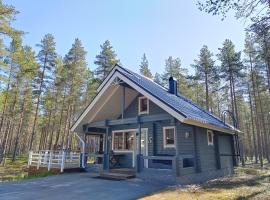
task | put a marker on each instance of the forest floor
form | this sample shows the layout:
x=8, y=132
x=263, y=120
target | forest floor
x=13, y=171
x=250, y=182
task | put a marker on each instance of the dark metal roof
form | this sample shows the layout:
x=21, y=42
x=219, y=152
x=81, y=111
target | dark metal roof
x=179, y=103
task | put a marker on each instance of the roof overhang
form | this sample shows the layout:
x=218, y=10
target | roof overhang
x=118, y=72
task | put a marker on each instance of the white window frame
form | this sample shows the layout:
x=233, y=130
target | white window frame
x=122, y=131
x=134, y=151
x=208, y=142
x=164, y=137
x=139, y=105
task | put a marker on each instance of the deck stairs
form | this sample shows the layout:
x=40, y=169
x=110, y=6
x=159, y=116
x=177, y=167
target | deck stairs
x=118, y=174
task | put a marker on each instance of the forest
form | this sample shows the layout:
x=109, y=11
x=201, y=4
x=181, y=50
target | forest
x=42, y=93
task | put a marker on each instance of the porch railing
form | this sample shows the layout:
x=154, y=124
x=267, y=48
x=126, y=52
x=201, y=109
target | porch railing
x=54, y=159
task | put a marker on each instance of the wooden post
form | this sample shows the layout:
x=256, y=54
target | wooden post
x=30, y=158
x=139, y=158
x=63, y=161
x=176, y=160
x=106, y=156
x=50, y=161
x=39, y=159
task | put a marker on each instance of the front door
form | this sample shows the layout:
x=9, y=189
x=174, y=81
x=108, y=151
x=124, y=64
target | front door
x=144, y=145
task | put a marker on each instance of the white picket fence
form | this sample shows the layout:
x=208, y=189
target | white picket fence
x=54, y=159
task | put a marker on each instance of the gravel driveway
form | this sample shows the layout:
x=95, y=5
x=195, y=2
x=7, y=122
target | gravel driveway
x=77, y=186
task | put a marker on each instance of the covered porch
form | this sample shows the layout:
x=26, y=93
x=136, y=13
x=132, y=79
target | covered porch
x=135, y=155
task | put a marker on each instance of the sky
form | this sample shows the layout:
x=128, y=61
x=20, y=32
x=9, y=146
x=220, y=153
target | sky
x=159, y=28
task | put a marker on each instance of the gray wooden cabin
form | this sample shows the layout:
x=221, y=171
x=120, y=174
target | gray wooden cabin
x=176, y=136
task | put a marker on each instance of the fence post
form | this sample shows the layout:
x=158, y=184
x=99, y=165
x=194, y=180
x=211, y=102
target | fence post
x=39, y=160
x=63, y=161
x=45, y=158
x=30, y=158
x=50, y=161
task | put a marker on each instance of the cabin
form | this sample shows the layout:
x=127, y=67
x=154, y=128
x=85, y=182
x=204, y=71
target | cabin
x=135, y=124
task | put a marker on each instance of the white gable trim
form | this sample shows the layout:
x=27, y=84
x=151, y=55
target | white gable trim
x=90, y=106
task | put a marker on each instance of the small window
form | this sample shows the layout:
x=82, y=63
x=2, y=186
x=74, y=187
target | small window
x=143, y=105
x=169, y=137
x=188, y=162
x=210, y=137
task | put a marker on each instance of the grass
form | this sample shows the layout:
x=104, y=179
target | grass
x=249, y=182
x=13, y=171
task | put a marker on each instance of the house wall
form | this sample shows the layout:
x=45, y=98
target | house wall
x=204, y=155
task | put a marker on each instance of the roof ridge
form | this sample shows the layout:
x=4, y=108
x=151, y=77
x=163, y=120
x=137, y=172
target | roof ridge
x=128, y=70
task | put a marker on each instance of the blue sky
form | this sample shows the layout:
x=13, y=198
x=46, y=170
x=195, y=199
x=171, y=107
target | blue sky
x=159, y=28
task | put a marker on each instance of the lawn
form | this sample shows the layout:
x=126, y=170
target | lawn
x=13, y=171
x=249, y=182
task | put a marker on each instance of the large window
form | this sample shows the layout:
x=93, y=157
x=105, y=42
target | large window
x=143, y=105
x=210, y=137
x=123, y=140
x=169, y=137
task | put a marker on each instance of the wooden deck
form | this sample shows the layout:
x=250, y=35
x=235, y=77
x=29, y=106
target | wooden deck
x=54, y=160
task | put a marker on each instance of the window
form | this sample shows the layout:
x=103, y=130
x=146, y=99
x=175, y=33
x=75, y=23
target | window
x=118, y=141
x=210, y=137
x=143, y=105
x=123, y=140
x=169, y=137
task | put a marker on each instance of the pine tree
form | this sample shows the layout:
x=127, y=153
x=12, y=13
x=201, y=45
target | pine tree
x=47, y=59
x=27, y=72
x=106, y=60
x=144, y=67
x=158, y=79
x=206, y=72
x=76, y=65
x=7, y=15
x=230, y=70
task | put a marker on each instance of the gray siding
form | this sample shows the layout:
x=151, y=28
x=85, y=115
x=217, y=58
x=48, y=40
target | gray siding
x=132, y=110
x=206, y=153
x=226, y=161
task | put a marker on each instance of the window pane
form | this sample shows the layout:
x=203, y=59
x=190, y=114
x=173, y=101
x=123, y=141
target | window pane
x=143, y=105
x=169, y=134
x=210, y=137
x=118, y=140
x=129, y=140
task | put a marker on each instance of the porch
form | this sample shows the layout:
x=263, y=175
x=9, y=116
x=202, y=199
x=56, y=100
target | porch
x=107, y=155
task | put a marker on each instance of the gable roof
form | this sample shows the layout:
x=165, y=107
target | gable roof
x=177, y=105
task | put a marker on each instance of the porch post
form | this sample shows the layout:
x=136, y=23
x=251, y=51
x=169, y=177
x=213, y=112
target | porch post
x=175, y=164
x=106, y=156
x=139, y=158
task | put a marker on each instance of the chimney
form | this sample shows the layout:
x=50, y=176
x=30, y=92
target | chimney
x=172, y=86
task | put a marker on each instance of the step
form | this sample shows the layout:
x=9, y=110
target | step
x=130, y=171
x=116, y=176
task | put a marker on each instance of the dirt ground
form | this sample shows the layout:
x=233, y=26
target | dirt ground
x=250, y=182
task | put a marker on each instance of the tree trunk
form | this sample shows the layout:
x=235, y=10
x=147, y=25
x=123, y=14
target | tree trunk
x=38, y=102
